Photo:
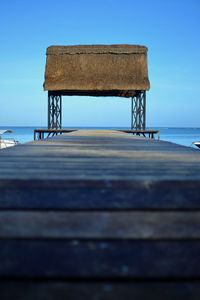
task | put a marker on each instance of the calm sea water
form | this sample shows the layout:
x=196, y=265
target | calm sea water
x=183, y=136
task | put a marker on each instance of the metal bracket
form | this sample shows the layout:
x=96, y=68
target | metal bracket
x=138, y=111
x=54, y=111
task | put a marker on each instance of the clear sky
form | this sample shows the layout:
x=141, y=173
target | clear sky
x=169, y=28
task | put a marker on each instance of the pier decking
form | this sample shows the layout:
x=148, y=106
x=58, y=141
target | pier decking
x=99, y=215
x=42, y=133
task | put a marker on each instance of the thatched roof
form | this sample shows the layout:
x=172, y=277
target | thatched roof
x=97, y=70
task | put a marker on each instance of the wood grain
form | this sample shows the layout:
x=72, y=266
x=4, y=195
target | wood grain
x=106, y=259
x=100, y=225
x=100, y=290
x=99, y=215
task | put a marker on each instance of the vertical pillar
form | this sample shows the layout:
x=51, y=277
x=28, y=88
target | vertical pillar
x=54, y=111
x=138, y=111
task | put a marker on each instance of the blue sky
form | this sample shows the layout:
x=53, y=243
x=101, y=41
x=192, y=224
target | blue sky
x=170, y=30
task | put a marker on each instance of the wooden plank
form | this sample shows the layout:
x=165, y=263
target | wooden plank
x=149, y=232
x=68, y=163
x=110, y=172
x=99, y=259
x=100, y=225
x=102, y=290
x=99, y=194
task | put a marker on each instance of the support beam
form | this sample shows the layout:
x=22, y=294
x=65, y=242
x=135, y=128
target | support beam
x=138, y=111
x=54, y=111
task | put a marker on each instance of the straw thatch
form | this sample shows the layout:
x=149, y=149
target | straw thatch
x=97, y=70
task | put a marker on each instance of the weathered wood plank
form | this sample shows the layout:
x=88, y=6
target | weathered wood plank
x=99, y=259
x=134, y=194
x=109, y=175
x=102, y=290
x=108, y=155
x=100, y=225
x=99, y=194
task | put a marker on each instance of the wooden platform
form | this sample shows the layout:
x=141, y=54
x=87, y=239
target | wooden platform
x=99, y=215
x=145, y=133
x=42, y=133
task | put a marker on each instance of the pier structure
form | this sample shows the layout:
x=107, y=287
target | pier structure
x=97, y=70
x=99, y=215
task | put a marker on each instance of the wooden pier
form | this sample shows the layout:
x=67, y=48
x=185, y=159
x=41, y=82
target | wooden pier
x=99, y=215
x=42, y=133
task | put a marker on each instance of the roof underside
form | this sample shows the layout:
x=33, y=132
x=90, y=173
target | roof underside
x=97, y=70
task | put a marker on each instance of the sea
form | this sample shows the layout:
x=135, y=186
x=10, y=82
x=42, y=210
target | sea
x=183, y=136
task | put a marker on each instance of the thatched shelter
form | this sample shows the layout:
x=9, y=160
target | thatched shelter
x=97, y=70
